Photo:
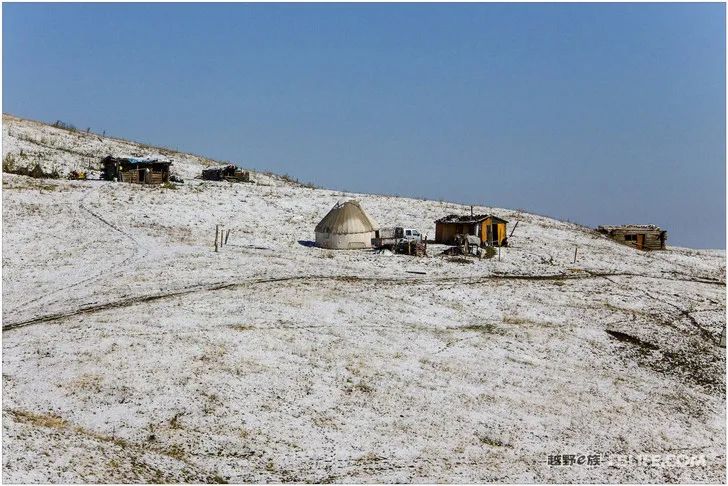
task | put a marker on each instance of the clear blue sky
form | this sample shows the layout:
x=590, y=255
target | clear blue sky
x=597, y=113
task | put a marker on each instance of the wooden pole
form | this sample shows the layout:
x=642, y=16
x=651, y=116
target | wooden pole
x=217, y=229
x=498, y=252
x=514, y=229
x=227, y=233
x=576, y=249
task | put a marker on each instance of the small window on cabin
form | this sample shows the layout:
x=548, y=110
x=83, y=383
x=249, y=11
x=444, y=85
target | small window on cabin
x=409, y=233
x=630, y=237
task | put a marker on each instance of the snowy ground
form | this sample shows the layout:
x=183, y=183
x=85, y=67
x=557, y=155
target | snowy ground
x=133, y=352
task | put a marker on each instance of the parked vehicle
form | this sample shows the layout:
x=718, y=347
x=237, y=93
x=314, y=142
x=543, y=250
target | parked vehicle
x=392, y=237
x=412, y=234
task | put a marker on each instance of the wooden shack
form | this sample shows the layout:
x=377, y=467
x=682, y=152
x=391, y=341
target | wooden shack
x=640, y=236
x=136, y=170
x=228, y=172
x=490, y=229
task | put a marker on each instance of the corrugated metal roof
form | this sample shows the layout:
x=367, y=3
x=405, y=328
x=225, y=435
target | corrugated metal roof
x=629, y=227
x=467, y=219
x=142, y=160
x=138, y=160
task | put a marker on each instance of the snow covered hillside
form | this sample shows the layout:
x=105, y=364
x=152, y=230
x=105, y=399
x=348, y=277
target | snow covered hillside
x=132, y=351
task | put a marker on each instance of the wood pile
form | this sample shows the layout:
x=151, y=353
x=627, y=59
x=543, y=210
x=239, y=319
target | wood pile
x=229, y=173
x=413, y=248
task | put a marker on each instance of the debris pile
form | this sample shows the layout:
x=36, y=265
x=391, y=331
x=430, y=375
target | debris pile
x=229, y=173
x=470, y=245
x=411, y=247
x=77, y=175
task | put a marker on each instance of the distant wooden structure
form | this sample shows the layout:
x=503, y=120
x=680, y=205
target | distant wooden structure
x=226, y=173
x=136, y=170
x=491, y=230
x=640, y=236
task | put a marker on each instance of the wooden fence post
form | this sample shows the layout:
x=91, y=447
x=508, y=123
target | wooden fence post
x=576, y=249
x=217, y=229
x=226, y=236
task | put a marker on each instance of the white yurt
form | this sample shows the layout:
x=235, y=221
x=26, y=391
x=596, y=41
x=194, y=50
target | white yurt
x=346, y=227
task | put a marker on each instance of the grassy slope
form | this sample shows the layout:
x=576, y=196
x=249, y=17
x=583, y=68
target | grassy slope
x=273, y=361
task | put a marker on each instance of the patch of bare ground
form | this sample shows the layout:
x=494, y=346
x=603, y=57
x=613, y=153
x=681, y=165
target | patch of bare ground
x=132, y=461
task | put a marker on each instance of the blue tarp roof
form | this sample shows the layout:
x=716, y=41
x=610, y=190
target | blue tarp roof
x=139, y=160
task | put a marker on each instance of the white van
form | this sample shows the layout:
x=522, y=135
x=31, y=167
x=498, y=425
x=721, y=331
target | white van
x=411, y=235
x=390, y=237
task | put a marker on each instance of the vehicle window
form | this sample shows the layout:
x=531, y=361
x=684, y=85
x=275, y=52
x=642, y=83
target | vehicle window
x=409, y=233
x=416, y=233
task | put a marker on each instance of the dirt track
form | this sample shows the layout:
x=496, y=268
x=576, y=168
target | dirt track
x=90, y=309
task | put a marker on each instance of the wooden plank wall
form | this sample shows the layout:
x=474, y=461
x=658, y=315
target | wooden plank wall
x=130, y=176
x=154, y=177
x=652, y=238
x=445, y=233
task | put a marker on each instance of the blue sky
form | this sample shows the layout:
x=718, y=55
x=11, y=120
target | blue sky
x=596, y=113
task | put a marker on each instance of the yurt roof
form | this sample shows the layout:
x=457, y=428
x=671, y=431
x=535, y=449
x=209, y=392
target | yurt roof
x=347, y=218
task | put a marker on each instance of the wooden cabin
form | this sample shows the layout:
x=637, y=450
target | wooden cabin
x=136, y=170
x=490, y=229
x=640, y=236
